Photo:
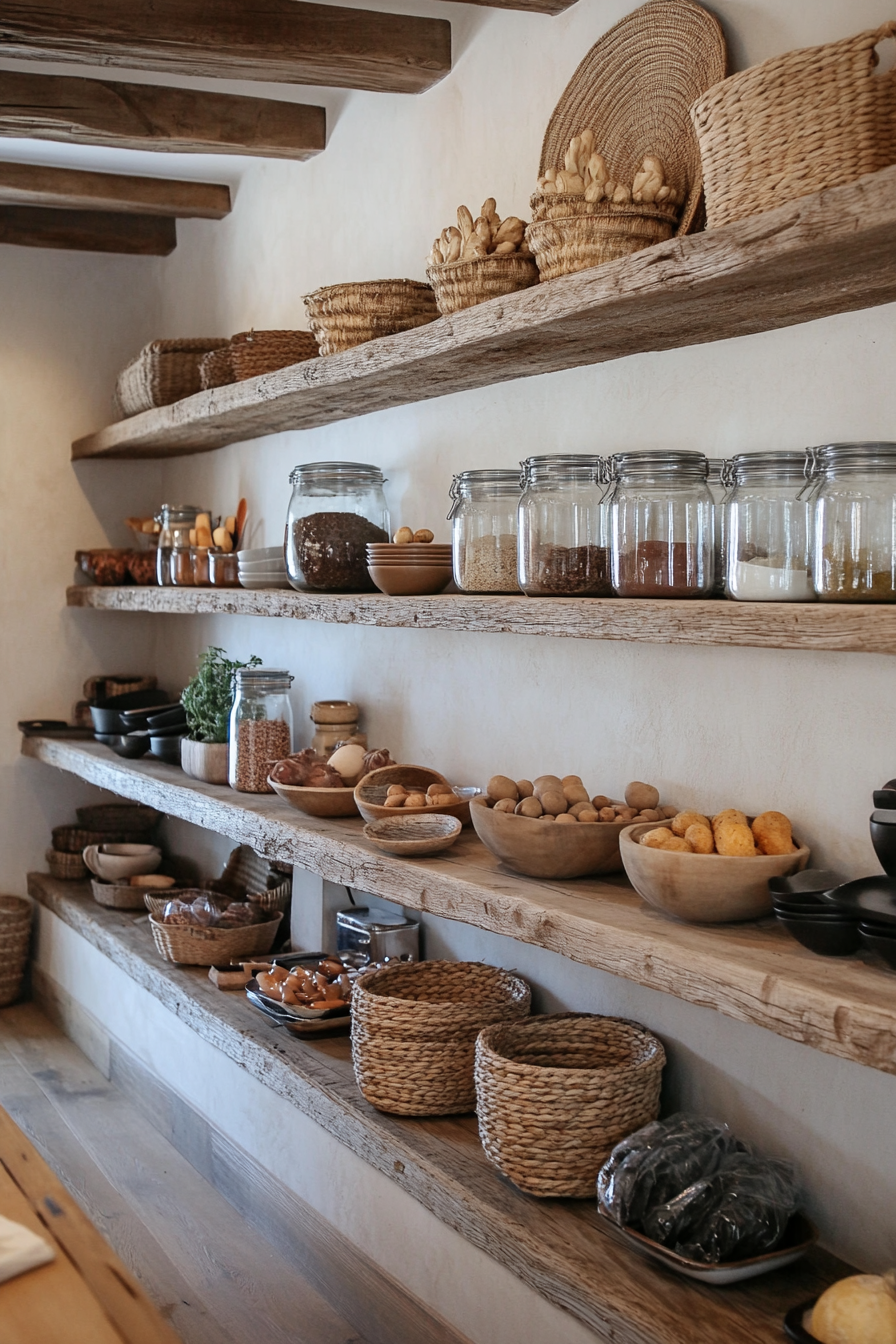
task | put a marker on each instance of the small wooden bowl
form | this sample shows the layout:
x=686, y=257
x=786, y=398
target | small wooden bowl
x=407, y=836
x=370, y=794
x=544, y=849
x=411, y=580
x=704, y=888
x=317, y=802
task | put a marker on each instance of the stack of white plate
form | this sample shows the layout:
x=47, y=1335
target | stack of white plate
x=263, y=568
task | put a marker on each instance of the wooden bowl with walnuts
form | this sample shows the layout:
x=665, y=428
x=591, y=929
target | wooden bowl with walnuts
x=408, y=791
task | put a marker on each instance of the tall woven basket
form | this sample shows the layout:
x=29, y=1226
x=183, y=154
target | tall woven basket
x=556, y=1093
x=15, y=937
x=414, y=1029
x=797, y=124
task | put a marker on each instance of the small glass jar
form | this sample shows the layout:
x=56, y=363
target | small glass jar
x=769, y=532
x=260, y=727
x=335, y=721
x=718, y=478
x=223, y=569
x=200, y=562
x=175, y=524
x=182, y=566
x=662, y=524
x=483, y=521
x=564, y=543
x=336, y=509
x=854, y=550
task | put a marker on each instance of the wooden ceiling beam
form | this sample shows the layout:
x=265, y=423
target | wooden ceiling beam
x=88, y=230
x=285, y=41
x=70, y=189
x=146, y=116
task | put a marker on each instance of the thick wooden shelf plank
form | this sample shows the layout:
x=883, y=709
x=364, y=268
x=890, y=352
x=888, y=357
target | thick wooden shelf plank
x=754, y=972
x=281, y=41
x=557, y=1247
x=828, y=253
x=146, y=116
x=88, y=230
x=842, y=627
x=68, y=188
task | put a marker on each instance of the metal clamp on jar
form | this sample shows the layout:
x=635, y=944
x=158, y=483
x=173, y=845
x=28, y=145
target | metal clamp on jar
x=564, y=547
x=662, y=513
x=335, y=510
x=769, y=533
x=364, y=935
x=483, y=531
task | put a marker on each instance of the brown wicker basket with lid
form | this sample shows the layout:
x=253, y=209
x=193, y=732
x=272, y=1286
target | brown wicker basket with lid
x=799, y=123
x=556, y=1093
x=256, y=352
x=414, y=1029
x=15, y=938
x=163, y=372
x=461, y=284
x=343, y=316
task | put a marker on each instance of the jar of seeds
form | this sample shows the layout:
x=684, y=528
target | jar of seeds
x=260, y=727
x=484, y=531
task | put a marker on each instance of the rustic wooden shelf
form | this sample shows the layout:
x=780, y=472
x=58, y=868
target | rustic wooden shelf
x=844, y=628
x=753, y=972
x=828, y=253
x=557, y=1247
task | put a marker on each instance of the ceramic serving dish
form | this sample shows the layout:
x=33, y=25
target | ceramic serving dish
x=317, y=802
x=543, y=849
x=114, y=862
x=869, y=897
x=877, y=939
x=370, y=794
x=410, y=836
x=704, y=888
x=411, y=580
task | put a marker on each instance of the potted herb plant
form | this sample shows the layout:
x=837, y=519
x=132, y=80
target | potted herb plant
x=208, y=700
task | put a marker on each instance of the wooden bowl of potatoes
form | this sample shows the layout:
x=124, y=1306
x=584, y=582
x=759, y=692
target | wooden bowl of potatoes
x=705, y=888
x=408, y=791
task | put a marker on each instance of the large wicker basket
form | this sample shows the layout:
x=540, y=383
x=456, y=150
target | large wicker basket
x=256, y=352
x=414, y=1029
x=163, y=372
x=461, y=284
x=556, y=1093
x=801, y=122
x=15, y=937
x=343, y=316
x=191, y=945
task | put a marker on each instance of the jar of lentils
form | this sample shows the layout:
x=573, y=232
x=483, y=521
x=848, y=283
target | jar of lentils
x=564, y=543
x=260, y=727
x=662, y=525
x=336, y=509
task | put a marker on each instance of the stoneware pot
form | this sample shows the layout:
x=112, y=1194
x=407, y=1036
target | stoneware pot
x=544, y=849
x=204, y=760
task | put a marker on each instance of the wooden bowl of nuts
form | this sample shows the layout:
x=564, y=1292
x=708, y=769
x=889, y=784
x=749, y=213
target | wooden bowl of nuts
x=408, y=791
x=551, y=828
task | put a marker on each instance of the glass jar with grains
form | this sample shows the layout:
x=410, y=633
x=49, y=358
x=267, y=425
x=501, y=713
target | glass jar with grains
x=564, y=547
x=260, y=727
x=662, y=514
x=769, y=541
x=483, y=531
x=335, y=510
x=854, y=547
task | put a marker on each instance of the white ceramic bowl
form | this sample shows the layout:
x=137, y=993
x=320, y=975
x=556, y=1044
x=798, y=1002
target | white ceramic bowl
x=113, y=862
x=704, y=888
x=260, y=553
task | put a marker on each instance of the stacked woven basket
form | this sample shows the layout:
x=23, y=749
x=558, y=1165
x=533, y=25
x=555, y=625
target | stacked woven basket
x=15, y=937
x=343, y=316
x=99, y=824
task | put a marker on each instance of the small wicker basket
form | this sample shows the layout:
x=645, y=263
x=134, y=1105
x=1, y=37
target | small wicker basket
x=66, y=867
x=575, y=242
x=118, y=895
x=75, y=839
x=249, y=876
x=192, y=945
x=216, y=369
x=556, y=1093
x=15, y=938
x=343, y=316
x=414, y=1029
x=796, y=124
x=163, y=372
x=256, y=352
x=461, y=284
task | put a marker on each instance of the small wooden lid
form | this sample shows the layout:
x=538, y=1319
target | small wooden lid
x=334, y=711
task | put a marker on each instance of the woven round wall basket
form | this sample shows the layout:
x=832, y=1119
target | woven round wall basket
x=15, y=938
x=343, y=316
x=414, y=1029
x=556, y=1093
x=461, y=284
x=796, y=124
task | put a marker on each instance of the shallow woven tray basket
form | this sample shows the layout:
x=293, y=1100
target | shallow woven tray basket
x=256, y=352
x=15, y=937
x=191, y=945
x=66, y=867
x=343, y=316
x=117, y=895
x=414, y=1029
x=461, y=284
x=556, y=1093
x=797, y=124
x=163, y=372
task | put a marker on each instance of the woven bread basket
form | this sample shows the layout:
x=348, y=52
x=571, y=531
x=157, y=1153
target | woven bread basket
x=556, y=1093
x=117, y=895
x=130, y=817
x=461, y=284
x=163, y=372
x=192, y=945
x=216, y=369
x=562, y=246
x=414, y=1029
x=66, y=867
x=343, y=316
x=796, y=124
x=15, y=938
x=256, y=352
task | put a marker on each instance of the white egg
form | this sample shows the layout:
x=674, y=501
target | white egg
x=348, y=760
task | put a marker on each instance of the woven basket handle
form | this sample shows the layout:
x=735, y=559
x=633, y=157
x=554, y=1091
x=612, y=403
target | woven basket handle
x=887, y=31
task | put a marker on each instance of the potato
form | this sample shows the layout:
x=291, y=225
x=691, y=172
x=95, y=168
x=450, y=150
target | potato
x=772, y=833
x=601, y=800
x=625, y=813
x=546, y=816
x=395, y=800
x=640, y=796
x=682, y=820
x=528, y=807
x=700, y=839
x=734, y=839
x=396, y=790
x=505, y=805
x=575, y=793
x=415, y=800
x=576, y=809
x=567, y=819
x=607, y=814
x=669, y=812
x=552, y=801
x=571, y=779
x=525, y=788
x=649, y=814
x=546, y=782
x=500, y=786
x=662, y=838
x=587, y=815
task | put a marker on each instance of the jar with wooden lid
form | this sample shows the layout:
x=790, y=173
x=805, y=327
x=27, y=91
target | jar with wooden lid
x=769, y=533
x=662, y=525
x=260, y=727
x=854, y=544
x=483, y=519
x=564, y=544
x=335, y=721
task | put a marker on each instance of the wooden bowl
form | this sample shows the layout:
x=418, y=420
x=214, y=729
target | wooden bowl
x=317, y=802
x=407, y=836
x=704, y=888
x=544, y=849
x=411, y=580
x=370, y=794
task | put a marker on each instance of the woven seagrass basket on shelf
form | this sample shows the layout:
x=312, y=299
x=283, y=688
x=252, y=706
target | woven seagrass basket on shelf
x=66, y=867
x=75, y=839
x=15, y=938
x=118, y=895
x=192, y=945
x=414, y=1029
x=216, y=369
x=606, y=233
x=163, y=372
x=249, y=876
x=133, y=818
x=799, y=123
x=343, y=316
x=256, y=352
x=554, y=1095
x=461, y=284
